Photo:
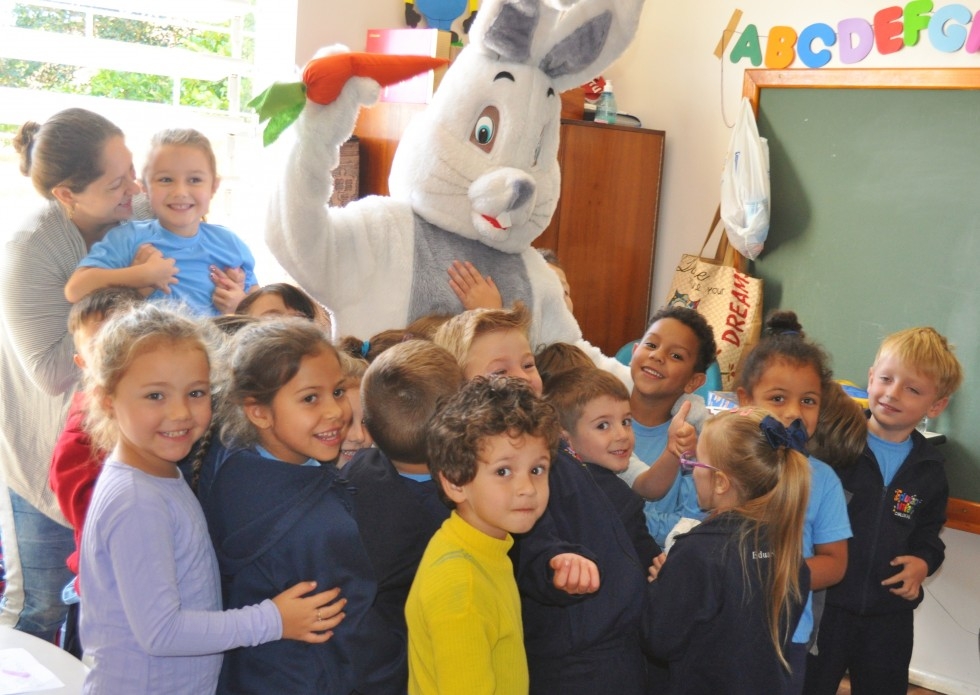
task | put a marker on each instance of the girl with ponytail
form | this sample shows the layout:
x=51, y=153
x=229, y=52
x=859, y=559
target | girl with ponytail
x=725, y=605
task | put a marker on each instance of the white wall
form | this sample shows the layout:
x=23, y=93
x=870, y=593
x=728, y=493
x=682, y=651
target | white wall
x=324, y=22
x=671, y=80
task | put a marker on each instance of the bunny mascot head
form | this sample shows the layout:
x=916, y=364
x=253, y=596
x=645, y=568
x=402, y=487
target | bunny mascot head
x=475, y=177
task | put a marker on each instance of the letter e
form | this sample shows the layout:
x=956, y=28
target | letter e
x=888, y=30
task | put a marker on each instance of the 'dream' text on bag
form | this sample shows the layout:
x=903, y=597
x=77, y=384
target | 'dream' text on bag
x=738, y=310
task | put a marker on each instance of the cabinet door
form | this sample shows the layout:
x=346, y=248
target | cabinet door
x=605, y=227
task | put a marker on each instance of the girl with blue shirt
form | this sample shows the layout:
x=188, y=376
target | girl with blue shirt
x=177, y=255
x=278, y=509
x=787, y=375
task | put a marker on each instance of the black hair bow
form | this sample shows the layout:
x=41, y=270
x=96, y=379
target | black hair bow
x=792, y=437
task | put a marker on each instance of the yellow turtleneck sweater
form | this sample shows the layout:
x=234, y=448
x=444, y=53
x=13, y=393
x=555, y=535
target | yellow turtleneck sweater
x=464, y=617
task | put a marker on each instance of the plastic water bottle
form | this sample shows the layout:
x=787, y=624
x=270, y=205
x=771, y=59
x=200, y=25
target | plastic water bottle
x=606, y=109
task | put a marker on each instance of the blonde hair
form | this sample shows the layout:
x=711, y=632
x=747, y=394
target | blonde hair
x=458, y=333
x=352, y=367
x=181, y=137
x=773, y=486
x=123, y=338
x=927, y=351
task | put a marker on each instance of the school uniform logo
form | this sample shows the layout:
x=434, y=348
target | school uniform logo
x=905, y=504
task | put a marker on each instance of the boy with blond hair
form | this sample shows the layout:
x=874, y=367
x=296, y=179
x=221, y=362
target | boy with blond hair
x=490, y=449
x=492, y=341
x=580, y=639
x=897, y=494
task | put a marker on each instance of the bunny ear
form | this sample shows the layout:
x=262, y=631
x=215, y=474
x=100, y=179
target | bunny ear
x=572, y=41
x=577, y=50
x=511, y=34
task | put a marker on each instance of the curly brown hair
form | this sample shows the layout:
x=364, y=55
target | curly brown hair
x=483, y=408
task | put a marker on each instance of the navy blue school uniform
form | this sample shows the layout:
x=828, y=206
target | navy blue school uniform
x=581, y=645
x=397, y=516
x=865, y=627
x=274, y=524
x=702, y=618
x=630, y=506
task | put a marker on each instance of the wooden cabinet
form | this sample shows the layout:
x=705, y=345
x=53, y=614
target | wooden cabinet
x=605, y=226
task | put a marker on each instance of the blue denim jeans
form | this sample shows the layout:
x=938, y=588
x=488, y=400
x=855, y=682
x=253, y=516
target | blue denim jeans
x=42, y=545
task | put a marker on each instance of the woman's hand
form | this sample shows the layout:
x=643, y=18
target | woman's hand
x=229, y=288
x=310, y=618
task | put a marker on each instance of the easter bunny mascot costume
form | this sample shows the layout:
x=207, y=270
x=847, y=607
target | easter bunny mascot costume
x=475, y=176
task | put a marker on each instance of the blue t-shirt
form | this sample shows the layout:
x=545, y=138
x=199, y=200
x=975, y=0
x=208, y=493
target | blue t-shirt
x=826, y=521
x=681, y=499
x=212, y=245
x=889, y=455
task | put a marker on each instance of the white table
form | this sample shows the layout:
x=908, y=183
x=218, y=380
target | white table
x=70, y=670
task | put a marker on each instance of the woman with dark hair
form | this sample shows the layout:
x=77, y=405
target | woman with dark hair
x=78, y=161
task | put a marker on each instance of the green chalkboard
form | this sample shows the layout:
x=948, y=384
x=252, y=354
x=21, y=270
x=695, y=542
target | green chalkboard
x=876, y=221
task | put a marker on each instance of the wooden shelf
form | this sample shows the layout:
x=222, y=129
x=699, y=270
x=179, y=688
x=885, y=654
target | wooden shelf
x=604, y=229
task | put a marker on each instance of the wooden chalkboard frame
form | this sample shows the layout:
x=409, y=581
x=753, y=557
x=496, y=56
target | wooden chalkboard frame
x=962, y=514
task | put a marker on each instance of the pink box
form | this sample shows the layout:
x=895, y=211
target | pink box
x=422, y=42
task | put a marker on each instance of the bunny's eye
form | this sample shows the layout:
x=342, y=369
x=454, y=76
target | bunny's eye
x=485, y=128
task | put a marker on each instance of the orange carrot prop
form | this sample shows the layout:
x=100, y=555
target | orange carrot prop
x=325, y=77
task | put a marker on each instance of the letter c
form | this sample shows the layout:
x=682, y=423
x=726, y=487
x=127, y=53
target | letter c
x=804, y=47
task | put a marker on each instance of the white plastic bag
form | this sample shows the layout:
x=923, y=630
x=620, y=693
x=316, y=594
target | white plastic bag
x=745, y=185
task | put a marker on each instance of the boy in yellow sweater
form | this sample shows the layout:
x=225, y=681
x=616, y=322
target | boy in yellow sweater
x=490, y=448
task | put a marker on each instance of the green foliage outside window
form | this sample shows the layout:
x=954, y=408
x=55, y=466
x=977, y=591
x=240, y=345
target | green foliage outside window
x=119, y=84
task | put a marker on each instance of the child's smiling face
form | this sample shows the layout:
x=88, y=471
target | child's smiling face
x=358, y=436
x=503, y=352
x=899, y=397
x=603, y=434
x=180, y=185
x=788, y=391
x=308, y=417
x=663, y=363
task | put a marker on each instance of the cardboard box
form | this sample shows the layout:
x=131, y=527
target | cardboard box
x=422, y=42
